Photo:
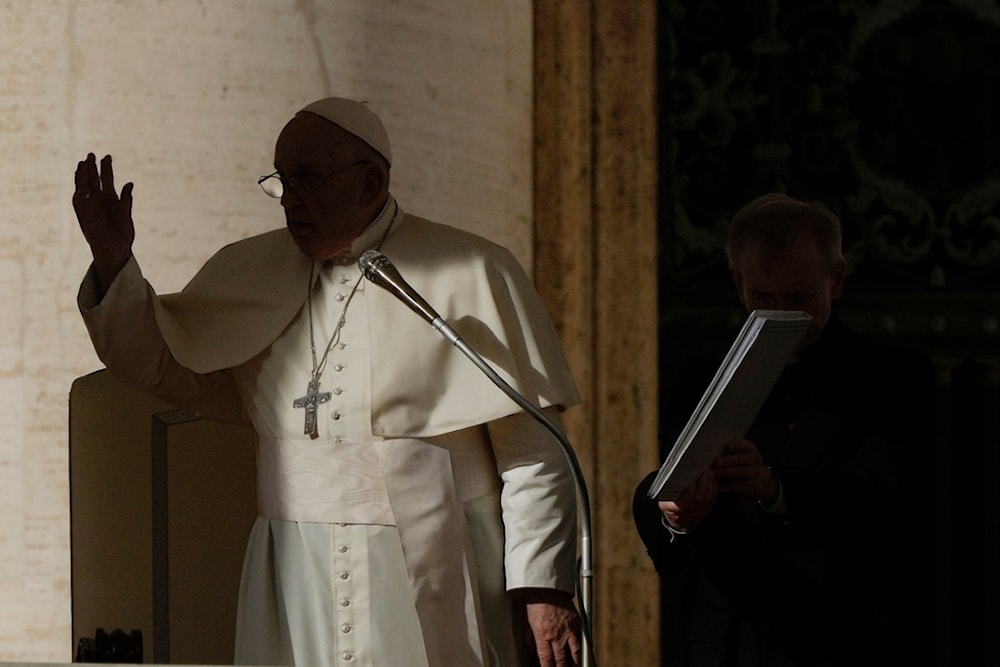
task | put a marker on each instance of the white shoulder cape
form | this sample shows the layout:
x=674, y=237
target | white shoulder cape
x=422, y=385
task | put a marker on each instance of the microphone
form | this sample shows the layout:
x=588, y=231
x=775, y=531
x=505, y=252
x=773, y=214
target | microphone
x=379, y=270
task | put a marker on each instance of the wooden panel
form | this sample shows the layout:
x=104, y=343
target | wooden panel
x=111, y=507
x=161, y=504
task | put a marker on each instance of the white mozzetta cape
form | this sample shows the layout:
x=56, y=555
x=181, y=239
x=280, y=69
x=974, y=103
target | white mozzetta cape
x=248, y=292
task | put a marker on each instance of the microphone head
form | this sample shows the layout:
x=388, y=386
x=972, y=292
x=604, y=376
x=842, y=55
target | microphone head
x=377, y=268
x=370, y=262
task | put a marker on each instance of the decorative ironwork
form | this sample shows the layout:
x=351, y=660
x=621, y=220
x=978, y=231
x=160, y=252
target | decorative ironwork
x=885, y=110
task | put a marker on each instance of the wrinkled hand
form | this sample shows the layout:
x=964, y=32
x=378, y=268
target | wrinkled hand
x=740, y=469
x=104, y=218
x=693, y=505
x=555, y=627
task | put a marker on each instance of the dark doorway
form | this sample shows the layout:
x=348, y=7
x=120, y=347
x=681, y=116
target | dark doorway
x=889, y=113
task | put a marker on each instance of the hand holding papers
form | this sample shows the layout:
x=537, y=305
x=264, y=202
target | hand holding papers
x=733, y=398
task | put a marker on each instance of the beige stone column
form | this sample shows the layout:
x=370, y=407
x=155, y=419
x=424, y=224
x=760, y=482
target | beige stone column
x=595, y=265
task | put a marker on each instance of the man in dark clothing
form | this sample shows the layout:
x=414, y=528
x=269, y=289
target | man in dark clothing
x=797, y=547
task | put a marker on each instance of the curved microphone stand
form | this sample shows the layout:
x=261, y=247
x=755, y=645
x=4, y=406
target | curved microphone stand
x=378, y=269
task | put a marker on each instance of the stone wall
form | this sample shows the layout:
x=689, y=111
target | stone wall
x=188, y=96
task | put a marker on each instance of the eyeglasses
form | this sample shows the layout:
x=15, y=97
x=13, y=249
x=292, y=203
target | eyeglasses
x=274, y=184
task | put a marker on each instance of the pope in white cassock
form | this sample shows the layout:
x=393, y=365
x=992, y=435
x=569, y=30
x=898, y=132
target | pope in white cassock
x=408, y=512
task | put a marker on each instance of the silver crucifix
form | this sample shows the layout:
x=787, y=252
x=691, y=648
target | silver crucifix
x=312, y=398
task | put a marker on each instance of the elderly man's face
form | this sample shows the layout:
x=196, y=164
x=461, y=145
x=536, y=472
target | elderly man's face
x=330, y=190
x=798, y=277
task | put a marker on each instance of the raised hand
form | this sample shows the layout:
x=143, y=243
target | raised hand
x=105, y=218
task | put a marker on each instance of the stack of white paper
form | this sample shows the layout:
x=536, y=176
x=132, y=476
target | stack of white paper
x=733, y=398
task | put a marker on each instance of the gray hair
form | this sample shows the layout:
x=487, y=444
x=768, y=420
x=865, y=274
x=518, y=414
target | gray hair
x=775, y=220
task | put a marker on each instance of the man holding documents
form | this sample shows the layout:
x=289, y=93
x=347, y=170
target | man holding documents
x=789, y=549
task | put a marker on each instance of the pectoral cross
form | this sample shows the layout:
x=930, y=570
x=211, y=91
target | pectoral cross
x=312, y=398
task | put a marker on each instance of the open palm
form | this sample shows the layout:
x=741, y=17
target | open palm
x=105, y=218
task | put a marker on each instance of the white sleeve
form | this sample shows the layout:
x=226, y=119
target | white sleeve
x=122, y=326
x=538, y=501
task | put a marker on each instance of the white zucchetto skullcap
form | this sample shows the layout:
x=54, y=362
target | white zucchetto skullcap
x=355, y=117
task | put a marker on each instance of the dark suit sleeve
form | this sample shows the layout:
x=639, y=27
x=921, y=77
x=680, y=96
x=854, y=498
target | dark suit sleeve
x=671, y=560
x=684, y=390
